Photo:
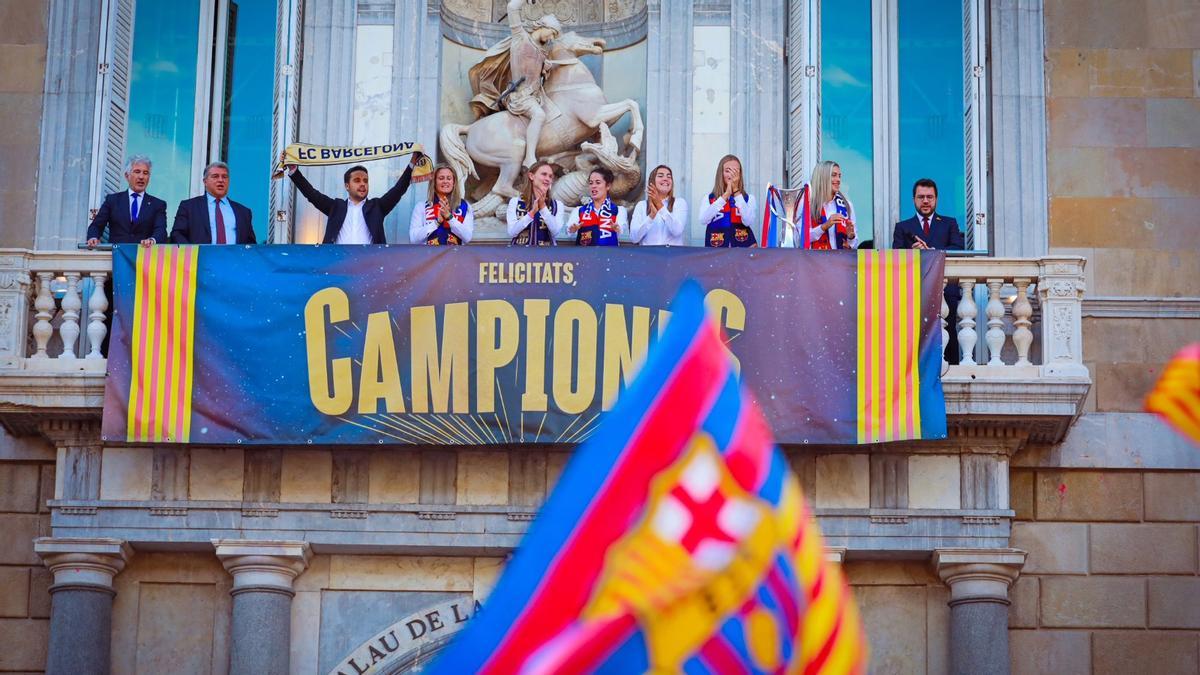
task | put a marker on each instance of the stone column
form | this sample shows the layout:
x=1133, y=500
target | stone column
x=669, y=89
x=81, y=601
x=263, y=572
x=759, y=92
x=979, y=580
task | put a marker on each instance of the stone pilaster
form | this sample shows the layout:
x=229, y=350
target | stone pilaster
x=79, y=459
x=669, y=89
x=1018, y=144
x=416, y=101
x=81, y=601
x=759, y=91
x=979, y=581
x=263, y=572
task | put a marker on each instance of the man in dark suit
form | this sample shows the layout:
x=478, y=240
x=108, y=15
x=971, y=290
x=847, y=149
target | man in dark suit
x=356, y=219
x=131, y=216
x=930, y=230
x=213, y=218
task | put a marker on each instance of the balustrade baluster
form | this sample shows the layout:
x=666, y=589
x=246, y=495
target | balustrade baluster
x=942, y=314
x=1022, y=313
x=967, y=311
x=44, y=304
x=97, y=305
x=995, y=322
x=71, y=304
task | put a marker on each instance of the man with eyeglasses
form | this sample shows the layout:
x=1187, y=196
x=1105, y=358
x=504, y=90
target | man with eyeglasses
x=929, y=230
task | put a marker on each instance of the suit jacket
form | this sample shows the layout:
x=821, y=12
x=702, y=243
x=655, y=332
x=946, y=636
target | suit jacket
x=944, y=234
x=374, y=210
x=192, y=227
x=114, y=215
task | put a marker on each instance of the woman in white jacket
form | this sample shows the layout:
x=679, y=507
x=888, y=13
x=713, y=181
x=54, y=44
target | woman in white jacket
x=661, y=218
x=534, y=218
x=445, y=219
x=731, y=210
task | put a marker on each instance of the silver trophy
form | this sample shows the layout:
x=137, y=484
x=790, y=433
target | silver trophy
x=790, y=207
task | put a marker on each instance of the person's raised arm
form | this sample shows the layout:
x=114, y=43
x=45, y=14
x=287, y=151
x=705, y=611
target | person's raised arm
x=641, y=223
x=552, y=220
x=572, y=221
x=392, y=197
x=514, y=15
x=318, y=199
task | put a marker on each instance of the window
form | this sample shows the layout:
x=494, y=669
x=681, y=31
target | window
x=203, y=85
x=900, y=97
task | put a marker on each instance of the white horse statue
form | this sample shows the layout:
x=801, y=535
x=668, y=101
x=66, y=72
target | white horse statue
x=577, y=109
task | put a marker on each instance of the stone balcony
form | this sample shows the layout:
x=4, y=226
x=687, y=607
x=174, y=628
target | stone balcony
x=1021, y=379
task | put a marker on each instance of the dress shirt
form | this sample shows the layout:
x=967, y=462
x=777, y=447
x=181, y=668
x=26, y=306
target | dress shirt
x=141, y=204
x=666, y=228
x=226, y=214
x=354, y=230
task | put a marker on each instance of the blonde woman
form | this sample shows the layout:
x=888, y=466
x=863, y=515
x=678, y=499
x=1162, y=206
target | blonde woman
x=832, y=213
x=535, y=218
x=661, y=218
x=445, y=218
x=730, y=209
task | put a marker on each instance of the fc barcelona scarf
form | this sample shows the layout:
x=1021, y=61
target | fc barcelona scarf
x=841, y=206
x=443, y=235
x=728, y=231
x=538, y=233
x=303, y=154
x=597, y=227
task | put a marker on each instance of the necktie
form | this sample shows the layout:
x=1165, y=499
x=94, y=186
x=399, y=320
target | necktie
x=220, y=224
x=925, y=225
x=133, y=210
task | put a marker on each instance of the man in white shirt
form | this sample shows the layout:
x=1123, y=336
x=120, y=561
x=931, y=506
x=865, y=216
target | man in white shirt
x=356, y=219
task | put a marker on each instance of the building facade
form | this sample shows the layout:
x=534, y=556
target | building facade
x=1055, y=530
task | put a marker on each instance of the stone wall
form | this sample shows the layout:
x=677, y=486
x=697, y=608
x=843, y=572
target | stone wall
x=22, y=76
x=1110, y=584
x=24, y=581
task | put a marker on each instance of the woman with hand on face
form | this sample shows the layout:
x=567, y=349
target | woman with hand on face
x=534, y=218
x=445, y=219
x=832, y=213
x=598, y=222
x=729, y=209
x=661, y=218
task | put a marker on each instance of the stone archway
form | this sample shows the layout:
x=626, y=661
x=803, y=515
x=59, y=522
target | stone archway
x=410, y=643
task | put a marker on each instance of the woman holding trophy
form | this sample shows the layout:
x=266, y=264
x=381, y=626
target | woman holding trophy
x=600, y=221
x=445, y=219
x=832, y=213
x=730, y=209
x=535, y=218
x=661, y=218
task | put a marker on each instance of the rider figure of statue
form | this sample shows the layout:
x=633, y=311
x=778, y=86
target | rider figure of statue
x=521, y=60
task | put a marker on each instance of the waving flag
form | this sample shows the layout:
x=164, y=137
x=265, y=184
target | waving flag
x=677, y=540
x=1176, y=397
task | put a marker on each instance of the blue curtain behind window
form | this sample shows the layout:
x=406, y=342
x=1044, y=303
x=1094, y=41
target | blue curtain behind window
x=846, y=102
x=931, y=103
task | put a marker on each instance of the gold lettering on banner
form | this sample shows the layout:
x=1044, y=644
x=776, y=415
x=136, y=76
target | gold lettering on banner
x=567, y=360
x=380, y=372
x=623, y=355
x=537, y=313
x=440, y=365
x=574, y=358
x=499, y=332
x=337, y=401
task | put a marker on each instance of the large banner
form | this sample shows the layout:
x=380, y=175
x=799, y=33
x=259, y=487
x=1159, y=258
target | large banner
x=478, y=345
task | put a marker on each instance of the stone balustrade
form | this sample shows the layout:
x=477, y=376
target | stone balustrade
x=1018, y=325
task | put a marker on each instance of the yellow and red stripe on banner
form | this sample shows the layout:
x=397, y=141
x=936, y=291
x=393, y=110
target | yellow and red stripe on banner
x=164, y=308
x=889, y=339
x=1176, y=397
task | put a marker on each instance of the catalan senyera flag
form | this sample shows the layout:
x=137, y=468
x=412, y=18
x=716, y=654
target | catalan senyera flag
x=676, y=540
x=898, y=360
x=1176, y=396
x=162, y=344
